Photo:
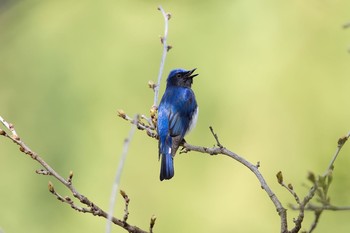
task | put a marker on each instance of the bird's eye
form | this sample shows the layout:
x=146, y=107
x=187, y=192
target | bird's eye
x=178, y=75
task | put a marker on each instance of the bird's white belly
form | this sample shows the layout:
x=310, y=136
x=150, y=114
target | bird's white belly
x=193, y=120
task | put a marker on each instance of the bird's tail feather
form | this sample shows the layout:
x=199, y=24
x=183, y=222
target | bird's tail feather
x=167, y=164
x=167, y=167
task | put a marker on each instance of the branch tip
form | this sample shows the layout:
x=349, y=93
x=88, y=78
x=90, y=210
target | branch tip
x=123, y=193
x=216, y=137
x=152, y=222
x=121, y=113
x=279, y=177
x=342, y=140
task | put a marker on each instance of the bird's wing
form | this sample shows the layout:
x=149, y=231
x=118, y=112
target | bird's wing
x=181, y=112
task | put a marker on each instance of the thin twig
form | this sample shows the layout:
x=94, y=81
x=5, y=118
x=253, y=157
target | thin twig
x=341, y=143
x=119, y=173
x=151, y=224
x=127, y=201
x=288, y=187
x=165, y=51
x=150, y=130
x=313, y=207
x=315, y=222
x=300, y=217
x=216, y=137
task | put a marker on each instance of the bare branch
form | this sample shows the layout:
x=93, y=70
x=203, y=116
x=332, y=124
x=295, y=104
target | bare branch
x=341, y=143
x=90, y=207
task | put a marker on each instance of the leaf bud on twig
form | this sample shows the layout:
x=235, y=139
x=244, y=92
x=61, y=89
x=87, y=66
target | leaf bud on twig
x=311, y=177
x=2, y=132
x=70, y=177
x=279, y=177
x=151, y=84
x=22, y=149
x=121, y=113
x=51, y=188
x=342, y=140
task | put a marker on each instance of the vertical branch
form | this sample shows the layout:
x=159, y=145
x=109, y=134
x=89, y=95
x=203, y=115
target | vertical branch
x=119, y=173
x=165, y=51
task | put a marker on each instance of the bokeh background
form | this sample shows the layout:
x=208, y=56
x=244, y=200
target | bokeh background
x=274, y=83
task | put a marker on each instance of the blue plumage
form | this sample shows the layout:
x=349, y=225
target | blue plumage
x=177, y=115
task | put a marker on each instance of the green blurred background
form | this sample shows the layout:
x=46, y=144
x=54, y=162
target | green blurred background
x=274, y=83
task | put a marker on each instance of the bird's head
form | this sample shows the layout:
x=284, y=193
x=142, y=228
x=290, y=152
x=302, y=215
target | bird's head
x=181, y=77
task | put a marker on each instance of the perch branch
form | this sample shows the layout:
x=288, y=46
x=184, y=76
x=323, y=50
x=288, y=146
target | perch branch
x=220, y=149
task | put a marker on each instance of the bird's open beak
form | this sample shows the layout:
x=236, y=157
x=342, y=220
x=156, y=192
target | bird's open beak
x=190, y=74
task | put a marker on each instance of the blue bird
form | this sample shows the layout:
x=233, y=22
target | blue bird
x=177, y=115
